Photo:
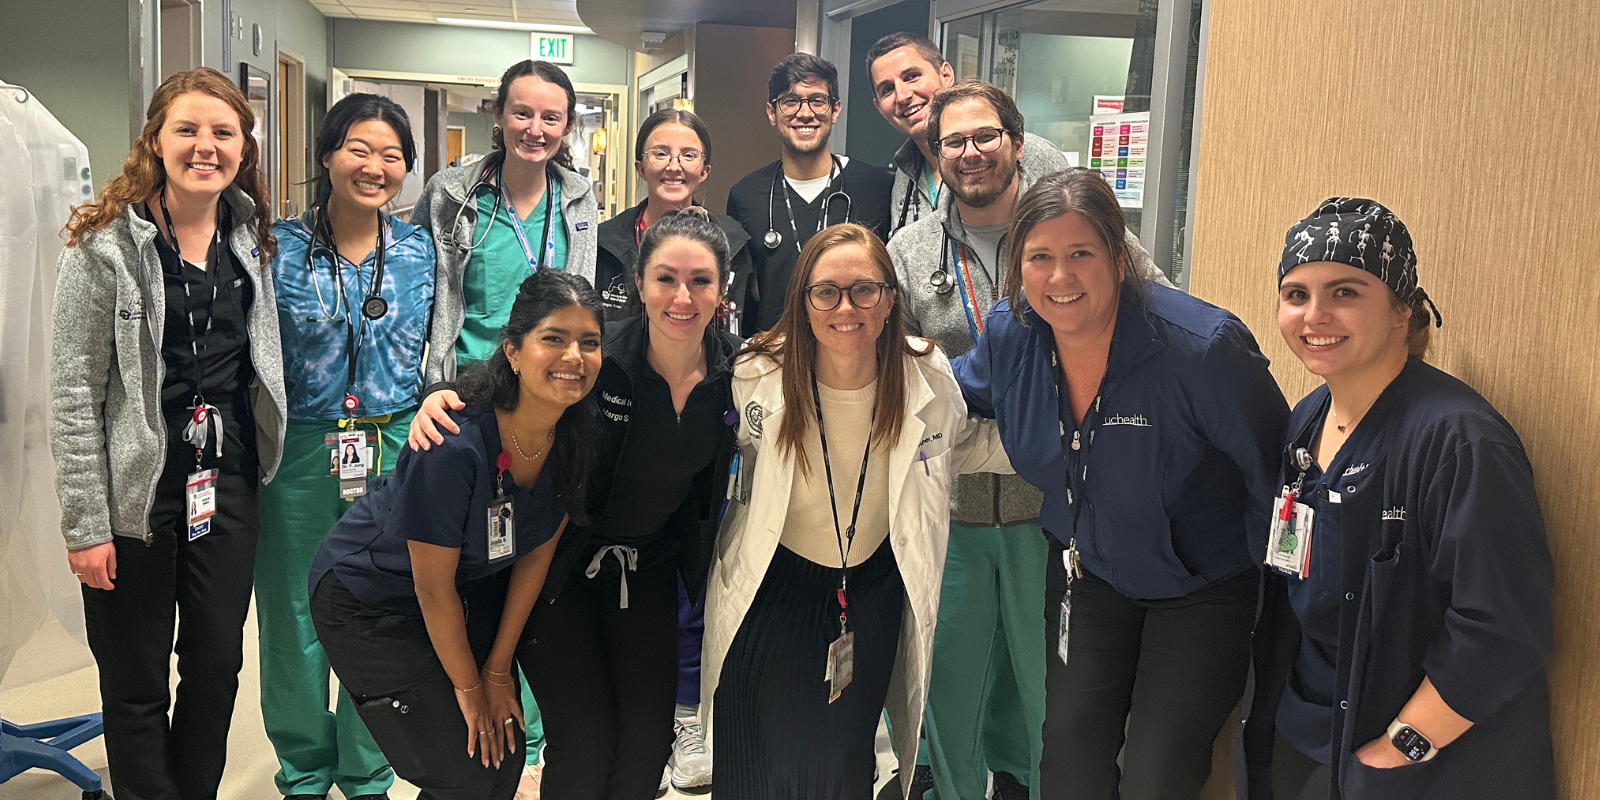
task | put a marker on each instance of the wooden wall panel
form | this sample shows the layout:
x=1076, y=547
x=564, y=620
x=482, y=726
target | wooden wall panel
x=1479, y=125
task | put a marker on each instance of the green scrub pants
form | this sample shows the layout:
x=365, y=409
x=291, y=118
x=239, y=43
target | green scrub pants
x=317, y=749
x=985, y=708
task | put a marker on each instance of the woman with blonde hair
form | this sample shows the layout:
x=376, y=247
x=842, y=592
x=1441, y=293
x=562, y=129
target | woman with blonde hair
x=167, y=408
x=826, y=583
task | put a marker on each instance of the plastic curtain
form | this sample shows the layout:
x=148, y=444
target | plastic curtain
x=44, y=170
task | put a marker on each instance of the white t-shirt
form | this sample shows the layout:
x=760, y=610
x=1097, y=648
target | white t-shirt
x=810, y=189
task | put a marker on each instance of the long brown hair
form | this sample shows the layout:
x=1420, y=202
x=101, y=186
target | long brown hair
x=1077, y=189
x=143, y=174
x=792, y=346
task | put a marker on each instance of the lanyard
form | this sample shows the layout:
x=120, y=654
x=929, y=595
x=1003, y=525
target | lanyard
x=355, y=333
x=195, y=336
x=516, y=222
x=969, y=293
x=1077, y=477
x=639, y=228
x=828, y=193
x=847, y=537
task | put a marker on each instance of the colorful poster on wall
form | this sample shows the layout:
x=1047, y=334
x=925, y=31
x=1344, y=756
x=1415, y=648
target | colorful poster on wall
x=1108, y=104
x=1117, y=148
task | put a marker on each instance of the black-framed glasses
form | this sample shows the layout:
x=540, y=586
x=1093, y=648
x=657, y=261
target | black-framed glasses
x=987, y=140
x=863, y=294
x=790, y=104
x=688, y=159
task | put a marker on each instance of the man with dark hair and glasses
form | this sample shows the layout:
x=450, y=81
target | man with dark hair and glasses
x=782, y=204
x=950, y=265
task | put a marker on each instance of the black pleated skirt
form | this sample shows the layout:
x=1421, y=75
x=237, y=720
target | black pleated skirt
x=777, y=736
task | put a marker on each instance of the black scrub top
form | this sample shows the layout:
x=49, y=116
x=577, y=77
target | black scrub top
x=758, y=208
x=1305, y=714
x=440, y=497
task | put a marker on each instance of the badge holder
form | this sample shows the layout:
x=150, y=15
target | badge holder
x=350, y=456
x=841, y=655
x=501, y=516
x=1069, y=560
x=200, y=487
x=1289, y=537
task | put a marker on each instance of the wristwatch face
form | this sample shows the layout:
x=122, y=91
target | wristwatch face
x=1414, y=746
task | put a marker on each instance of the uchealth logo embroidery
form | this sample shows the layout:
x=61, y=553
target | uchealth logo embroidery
x=1136, y=420
x=753, y=414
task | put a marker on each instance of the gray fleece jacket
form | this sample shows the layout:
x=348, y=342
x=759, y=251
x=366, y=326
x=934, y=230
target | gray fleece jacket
x=443, y=211
x=916, y=251
x=106, y=429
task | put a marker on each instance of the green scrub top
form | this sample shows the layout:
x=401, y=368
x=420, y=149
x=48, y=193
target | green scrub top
x=933, y=185
x=498, y=267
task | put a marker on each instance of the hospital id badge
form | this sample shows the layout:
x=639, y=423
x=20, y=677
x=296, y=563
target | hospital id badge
x=1065, y=627
x=1289, y=539
x=841, y=664
x=200, y=496
x=502, y=528
x=352, y=458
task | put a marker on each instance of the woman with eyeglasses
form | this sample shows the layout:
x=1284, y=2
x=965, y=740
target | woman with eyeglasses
x=826, y=585
x=672, y=155
x=355, y=291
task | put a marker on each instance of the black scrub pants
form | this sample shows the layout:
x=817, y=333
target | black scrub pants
x=198, y=591
x=606, y=677
x=1153, y=680
x=388, y=665
x=1297, y=776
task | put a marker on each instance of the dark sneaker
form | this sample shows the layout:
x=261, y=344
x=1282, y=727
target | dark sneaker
x=1007, y=787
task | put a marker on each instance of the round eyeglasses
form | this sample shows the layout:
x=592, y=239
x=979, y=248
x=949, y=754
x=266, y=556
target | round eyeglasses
x=790, y=104
x=688, y=159
x=986, y=140
x=863, y=294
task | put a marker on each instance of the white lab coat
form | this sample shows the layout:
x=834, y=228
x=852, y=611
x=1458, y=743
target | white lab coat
x=936, y=426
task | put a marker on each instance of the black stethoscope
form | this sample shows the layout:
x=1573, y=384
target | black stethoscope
x=373, y=306
x=773, y=239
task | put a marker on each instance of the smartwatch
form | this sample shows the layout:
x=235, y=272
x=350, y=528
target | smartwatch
x=1411, y=744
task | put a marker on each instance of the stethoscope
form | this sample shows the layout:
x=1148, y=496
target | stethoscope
x=373, y=306
x=773, y=239
x=493, y=169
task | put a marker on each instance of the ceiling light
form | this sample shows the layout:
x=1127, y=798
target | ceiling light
x=512, y=26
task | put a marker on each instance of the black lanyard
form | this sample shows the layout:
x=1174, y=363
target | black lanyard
x=1077, y=477
x=828, y=192
x=212, y=265
x=847, y=537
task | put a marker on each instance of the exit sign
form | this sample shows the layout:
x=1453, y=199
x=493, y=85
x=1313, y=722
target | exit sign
x=555, y=48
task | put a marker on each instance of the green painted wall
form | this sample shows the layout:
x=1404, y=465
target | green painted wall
x=73, y=57
x=471, y=52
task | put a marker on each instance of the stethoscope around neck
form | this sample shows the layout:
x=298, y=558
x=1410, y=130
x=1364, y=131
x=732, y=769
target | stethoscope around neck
x=373, y=305
x=773, y=239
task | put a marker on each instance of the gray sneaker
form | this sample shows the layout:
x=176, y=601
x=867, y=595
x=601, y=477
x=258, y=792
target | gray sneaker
x=691, y=759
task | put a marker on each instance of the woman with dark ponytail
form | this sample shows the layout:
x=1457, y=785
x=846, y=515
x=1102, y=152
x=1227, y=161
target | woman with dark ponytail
x=355, y=288
x=420, y=592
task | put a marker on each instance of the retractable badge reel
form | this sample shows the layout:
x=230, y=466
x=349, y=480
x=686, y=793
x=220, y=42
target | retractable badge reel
x=200, y=487
x=1069, y=559
x=502, y=524
x=1289, y=538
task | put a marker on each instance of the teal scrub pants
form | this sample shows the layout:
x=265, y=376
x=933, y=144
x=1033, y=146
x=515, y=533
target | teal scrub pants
x=985, y=710
x=317, y=749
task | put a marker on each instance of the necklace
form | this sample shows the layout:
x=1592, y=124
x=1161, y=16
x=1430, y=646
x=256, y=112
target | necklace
x=518, y=445
x=1352, y=423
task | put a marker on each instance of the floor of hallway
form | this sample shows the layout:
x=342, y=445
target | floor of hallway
x=251, y=763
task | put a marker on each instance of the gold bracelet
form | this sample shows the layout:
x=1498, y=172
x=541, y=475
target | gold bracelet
x=507, y=673
x=478, y=686
x=498, y=683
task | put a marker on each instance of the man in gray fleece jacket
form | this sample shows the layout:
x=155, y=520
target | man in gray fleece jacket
x=951, y=265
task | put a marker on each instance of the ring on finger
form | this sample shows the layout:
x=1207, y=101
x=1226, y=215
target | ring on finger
x=508, y=721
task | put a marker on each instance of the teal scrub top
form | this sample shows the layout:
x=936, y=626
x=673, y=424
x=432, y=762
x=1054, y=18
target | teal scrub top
x=498, y=266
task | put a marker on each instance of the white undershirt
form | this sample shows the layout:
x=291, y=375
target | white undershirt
x=808, y=526
x=200, y=266
x=810, y=189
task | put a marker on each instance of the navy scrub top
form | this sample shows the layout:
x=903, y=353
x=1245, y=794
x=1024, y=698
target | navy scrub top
x=440, y=497
x=1305, y=714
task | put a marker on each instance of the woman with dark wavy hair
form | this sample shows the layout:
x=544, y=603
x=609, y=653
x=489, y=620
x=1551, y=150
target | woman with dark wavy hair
x=408, y=593
x=167, y=408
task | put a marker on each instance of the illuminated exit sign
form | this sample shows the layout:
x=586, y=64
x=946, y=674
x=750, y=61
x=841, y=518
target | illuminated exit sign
x=555, y=48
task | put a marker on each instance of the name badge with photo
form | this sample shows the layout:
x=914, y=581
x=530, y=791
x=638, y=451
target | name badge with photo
x=502, y=530
x=1289, y=539
x=200, y=496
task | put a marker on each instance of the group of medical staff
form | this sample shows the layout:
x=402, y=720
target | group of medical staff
x=556, y=500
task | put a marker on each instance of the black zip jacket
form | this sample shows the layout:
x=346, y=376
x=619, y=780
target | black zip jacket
x=1445, y=573
x=694, y=524
x=614, y=263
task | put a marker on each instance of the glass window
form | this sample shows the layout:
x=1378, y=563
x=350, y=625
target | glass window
x=1068, y=63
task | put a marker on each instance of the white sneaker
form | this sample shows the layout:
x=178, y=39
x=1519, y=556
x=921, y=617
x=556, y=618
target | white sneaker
x=666, y=773
x=691, y=759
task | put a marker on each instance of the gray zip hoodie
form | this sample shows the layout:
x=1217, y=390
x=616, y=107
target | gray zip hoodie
x=106, y=429
x=916, y=251
x=443, y=211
